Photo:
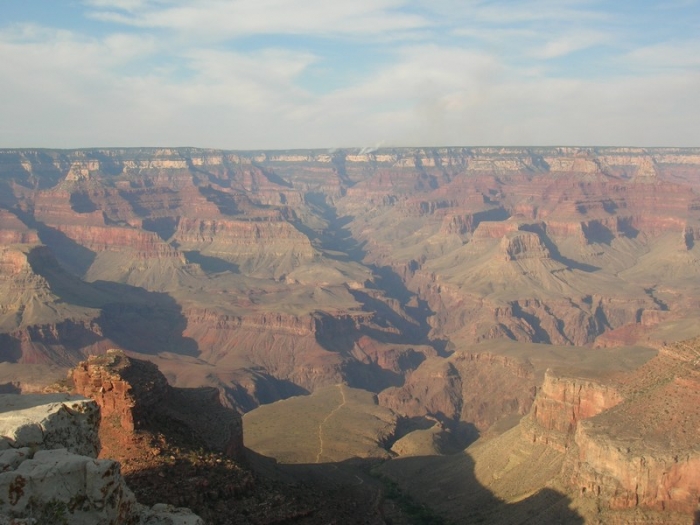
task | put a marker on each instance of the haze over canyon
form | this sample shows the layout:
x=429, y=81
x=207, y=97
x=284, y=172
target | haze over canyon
x=505, y=334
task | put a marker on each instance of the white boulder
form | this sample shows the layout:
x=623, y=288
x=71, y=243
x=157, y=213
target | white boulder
x=57, y=486
x=49, y=421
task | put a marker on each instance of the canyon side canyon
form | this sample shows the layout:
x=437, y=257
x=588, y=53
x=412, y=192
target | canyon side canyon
x=505, y=334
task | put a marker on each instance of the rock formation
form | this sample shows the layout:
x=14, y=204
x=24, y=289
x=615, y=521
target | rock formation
x=134, y=395
x=549, y=245
x=48, y=470
x=479, y=388
x=175, y=445
x=628, y=440
x=643, y=454
x=49, y=422
x=617, y=447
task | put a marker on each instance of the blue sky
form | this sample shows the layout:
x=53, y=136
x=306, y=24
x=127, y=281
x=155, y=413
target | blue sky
x=278, y=74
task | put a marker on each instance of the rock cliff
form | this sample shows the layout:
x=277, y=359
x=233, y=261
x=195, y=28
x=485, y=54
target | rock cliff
x=625, y=443
x=597, y=446
x=133, y=395
x=642, y=454
x=48, y=470
x=478, y=388
x=563, y=401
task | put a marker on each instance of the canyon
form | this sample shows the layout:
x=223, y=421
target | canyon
x=486, y=314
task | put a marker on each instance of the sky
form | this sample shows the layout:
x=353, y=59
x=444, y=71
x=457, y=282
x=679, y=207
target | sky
x=287, y=74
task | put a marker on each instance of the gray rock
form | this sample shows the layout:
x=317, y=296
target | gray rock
x=162, y=514
x=49, y=421
x=49, y=472
x=59, y=486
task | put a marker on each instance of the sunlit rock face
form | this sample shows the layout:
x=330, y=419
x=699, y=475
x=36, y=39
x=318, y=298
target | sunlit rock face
x=132, y=394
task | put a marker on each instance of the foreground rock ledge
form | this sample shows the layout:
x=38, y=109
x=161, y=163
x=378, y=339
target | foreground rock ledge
x=50, y=421
x=49, y=473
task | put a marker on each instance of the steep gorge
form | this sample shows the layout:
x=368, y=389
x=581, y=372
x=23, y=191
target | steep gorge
x=414, y=274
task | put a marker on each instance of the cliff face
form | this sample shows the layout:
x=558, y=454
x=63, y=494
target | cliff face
x=627, y=442
x=643, y=453
x=597, y=446
x=562, y=402
x=134, y=396
x=36, y=326
x=14, y=231
x=478, y=388
x=607, y=470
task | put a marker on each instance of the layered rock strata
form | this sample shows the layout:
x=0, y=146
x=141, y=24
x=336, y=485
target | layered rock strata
x=629, y=441
x=643, y=453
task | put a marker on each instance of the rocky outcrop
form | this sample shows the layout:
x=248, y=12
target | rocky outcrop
x=628, y=441
x=478, y=388
x=48, y=422
x=495, y=230
x=394, y=358
x=14, y=231
x=616, y=447
x=58, y=486
x=168, y=456
x=277, y=322
x=310, y=351
x=523, y=245
x=563, y=401
x=48, y=470
x=643, y=453
x=134, y=396
x=625, y=476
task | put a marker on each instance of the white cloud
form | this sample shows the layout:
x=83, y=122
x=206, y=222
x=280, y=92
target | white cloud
x=443, y=96
x=173, y=78
x=67, y=90
x=569, y=42
x=230, y=19
x=506, y=13
x=124, y=5
x=682, y=55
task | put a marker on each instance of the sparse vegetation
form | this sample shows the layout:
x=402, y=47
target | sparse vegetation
x=52, y=512
x=418, y=513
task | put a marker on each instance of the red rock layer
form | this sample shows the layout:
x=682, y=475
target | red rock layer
x=563, y=401
x=14, y=231
x=630, y=444
x=134, y=396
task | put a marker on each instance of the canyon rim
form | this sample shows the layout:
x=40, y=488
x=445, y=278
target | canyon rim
x=515, y=328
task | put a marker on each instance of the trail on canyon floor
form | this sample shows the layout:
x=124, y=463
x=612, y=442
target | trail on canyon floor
x=320, y=425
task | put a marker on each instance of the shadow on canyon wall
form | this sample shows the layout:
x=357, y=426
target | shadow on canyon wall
x=133, y=318
x=151, y=326
x=72, y=256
